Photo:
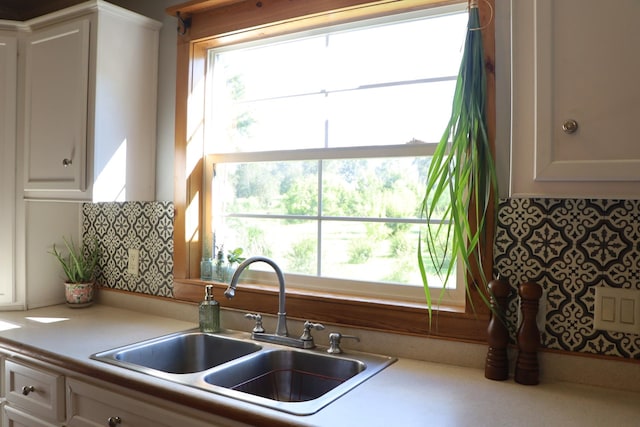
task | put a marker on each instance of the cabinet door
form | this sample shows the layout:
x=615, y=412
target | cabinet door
x=8, y=79
x=57, y=73
x=573, y=66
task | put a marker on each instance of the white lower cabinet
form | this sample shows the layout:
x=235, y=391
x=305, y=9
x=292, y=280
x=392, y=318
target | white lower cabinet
x=35, y=394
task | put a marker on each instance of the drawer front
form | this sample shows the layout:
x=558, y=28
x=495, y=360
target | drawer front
x=12, y=417
x=91, y=406
x=37, y=391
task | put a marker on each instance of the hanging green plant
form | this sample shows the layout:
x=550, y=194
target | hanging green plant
x=461, y=177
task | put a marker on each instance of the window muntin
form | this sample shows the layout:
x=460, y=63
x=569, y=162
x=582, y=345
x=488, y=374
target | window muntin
x=285, y=149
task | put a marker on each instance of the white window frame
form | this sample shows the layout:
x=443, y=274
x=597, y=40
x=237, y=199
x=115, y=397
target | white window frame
x=450, y=296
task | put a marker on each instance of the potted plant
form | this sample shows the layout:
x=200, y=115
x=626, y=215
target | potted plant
x=224, y=270
x=79, y=265
x=235, y=257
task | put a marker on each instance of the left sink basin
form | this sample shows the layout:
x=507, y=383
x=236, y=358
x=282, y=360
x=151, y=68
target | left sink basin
x=181, y=353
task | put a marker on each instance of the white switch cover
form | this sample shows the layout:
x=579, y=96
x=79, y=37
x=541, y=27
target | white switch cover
x=617, y=310
x=134, y=262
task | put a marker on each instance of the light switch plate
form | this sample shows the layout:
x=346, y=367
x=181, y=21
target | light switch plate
x=617, y=310
x=134, y=262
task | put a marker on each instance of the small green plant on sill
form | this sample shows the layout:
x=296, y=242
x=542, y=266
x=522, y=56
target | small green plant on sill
x=235, y=256
x=461, y=180
x=80, y=263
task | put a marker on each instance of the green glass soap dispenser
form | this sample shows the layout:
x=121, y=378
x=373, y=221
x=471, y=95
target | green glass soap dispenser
x=209, y=312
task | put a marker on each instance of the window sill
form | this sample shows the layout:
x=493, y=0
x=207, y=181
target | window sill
x=390, y=316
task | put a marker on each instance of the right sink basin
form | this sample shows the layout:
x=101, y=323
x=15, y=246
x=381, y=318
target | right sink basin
x=287, y=375
x=300, y=382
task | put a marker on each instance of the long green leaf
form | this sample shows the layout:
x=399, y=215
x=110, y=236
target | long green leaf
x=462, y=173
x=80, y=263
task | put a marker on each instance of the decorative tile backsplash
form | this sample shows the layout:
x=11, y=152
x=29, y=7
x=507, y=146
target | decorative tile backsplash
x=570, y=247
x=146, y=226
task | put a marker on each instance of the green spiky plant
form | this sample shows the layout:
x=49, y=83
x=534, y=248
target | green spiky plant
x=461, y=177
x=80, y=263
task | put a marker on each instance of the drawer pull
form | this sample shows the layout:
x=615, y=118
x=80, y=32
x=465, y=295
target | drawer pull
x=28, y=389
x=114, y=421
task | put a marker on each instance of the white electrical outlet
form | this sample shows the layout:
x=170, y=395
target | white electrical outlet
x=134, y=262
x=617, y=310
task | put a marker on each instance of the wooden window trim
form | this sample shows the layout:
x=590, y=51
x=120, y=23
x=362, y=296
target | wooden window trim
x=219, y=22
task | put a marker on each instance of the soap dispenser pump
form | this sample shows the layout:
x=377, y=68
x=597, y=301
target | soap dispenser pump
x=209, y=311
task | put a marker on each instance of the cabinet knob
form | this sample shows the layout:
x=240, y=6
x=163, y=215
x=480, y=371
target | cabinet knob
x=570, y=126
x=28, y=389
x=114, y=421
x=66, y=162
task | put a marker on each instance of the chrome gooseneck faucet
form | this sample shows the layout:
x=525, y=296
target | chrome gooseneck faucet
x=281, y=335
x=281, y=327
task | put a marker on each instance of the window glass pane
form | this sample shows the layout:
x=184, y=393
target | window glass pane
x=368, y=251
x=373, y=188
x=279, y=69
x=398, y=52
x=293, y=243
x=389, y=115
x=274, y=124
x=271, y=188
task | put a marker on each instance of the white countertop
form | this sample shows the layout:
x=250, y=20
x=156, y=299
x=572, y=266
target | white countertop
x=408, y=393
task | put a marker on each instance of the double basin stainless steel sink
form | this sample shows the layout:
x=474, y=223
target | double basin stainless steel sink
x=299, y=382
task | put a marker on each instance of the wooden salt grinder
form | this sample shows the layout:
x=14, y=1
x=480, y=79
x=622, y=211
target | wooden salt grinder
x=496, y=366
x=527, y=371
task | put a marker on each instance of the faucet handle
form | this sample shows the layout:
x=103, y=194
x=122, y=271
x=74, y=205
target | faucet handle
x=258, y=328
x=334, y=342
x=306, y=331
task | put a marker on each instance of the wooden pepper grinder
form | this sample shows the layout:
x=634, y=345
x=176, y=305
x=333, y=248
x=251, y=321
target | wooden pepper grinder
x=496, y=366
x=527, y=371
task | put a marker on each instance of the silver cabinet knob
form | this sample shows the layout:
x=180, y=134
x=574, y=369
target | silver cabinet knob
x=66, y=162
x=570, y=126
x=28, y=389
x=114, y=421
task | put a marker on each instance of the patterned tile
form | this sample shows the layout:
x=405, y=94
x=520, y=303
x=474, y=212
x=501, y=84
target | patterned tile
x=568, y=246
x=571, y=246
x=146, y=226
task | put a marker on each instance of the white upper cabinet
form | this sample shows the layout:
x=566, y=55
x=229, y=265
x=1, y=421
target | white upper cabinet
x=57, y=75
x=90, y=105
x=575, y=98
x=8, y=84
